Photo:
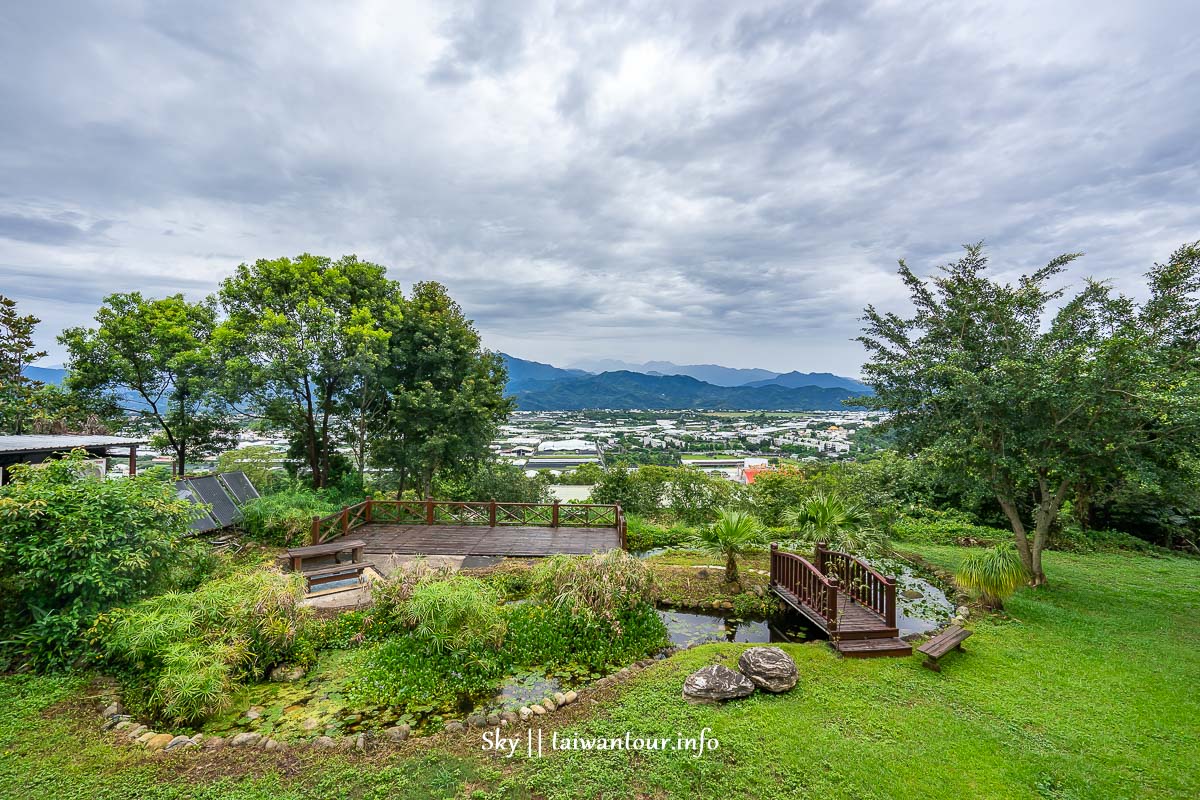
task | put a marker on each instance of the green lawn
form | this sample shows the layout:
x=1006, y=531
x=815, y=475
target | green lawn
x=1087, y=689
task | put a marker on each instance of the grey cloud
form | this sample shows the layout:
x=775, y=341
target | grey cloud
x=629, y=180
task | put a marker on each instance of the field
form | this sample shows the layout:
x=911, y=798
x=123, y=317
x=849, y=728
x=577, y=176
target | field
x=1083, y=690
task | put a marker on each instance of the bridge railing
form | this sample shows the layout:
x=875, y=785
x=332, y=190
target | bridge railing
x=859, y=580
x=484, y=513
x=809, y=585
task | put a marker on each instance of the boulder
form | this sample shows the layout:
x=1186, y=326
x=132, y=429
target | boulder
x=508, y=716
x=245, y=740
x=570, y=697
x=716, y=683
x=286, y=673
x=137, y=731
x=254, y=712
x=769, y=668
x=538, y=709
x=526, y=712
x=159, y=741
x=398, y=733
x=271, y=744
x=549, y=704
x=114, y=709
x=454, y=727
x=325, y=741
x=177, y=742
x=213, y=742
x=477, y=720
x=493, y=720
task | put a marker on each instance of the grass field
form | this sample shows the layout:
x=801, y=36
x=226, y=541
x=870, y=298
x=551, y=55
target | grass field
x=1085, y=690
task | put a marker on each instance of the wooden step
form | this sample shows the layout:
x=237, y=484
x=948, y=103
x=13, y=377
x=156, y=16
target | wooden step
x=867, y=633
x=873, y=648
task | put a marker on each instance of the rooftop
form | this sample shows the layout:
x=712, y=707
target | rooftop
x=41, y=444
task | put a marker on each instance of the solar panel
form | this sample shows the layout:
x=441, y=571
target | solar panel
x=212, y=492
x=202, y=521
x=239, y=486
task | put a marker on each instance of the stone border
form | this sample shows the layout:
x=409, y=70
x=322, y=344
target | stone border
x=116, y=720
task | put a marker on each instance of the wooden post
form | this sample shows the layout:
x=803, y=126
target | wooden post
x=621, y=531
x=889, y=602
x=832, y=603
x=132, y=460
x=554, y=514
x=819, y=557
x=368, y=514
x=428, y=510
x=316, y=531
x=492, y=514
x=345, y=520
x=773, y=579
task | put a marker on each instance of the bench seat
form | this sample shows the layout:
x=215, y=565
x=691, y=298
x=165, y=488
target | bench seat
x=338, y=572
x=949, y=639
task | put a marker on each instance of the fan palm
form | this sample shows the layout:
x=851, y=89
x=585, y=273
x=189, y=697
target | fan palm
x=734, y=533
x=844, y=526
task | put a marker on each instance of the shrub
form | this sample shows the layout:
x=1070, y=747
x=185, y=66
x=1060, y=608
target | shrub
x=642, y=534
x=597, y=587
x=945, y=527
x=494, y=480
x=455, y=614
x=284, y=518
x=552, y=638
x=73, y=545
x=992, y=574
x=735, y=533
x=404, y=671
x=774, y=492
x=184, y=653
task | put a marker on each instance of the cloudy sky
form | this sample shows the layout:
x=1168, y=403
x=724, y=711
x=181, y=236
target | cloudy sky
x=719, y=182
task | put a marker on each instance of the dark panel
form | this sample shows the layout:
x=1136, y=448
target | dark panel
x=212, y=492
x=239, y=486
x=202, y=521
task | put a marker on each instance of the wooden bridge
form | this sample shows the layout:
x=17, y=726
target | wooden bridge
x=843, y=596
x=444, y=527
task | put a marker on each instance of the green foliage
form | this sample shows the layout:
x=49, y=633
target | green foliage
x=260, y=462
x=550, y=637
x=735, y=533
x=73, y=545
x=184, y=653
x=992, y=574
x=456, y=614
x=406, y=672
x=284, y=517
x=596, y=587
x=161, y=352
x=445, y=392
x=493, y=480
x=1039, y=404
x=643, y=534
x=623, y=486
x=584, y=475
x=945, y=527
x=843, y=526
x=776, y=491
x=17, y=392
x=302, y=340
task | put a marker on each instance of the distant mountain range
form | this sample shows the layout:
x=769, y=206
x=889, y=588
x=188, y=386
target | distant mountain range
x=542, y=387
x=726, y=376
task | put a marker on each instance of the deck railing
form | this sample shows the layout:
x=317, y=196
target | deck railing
x=857, y=579
x=809, y=585
x=484, y=513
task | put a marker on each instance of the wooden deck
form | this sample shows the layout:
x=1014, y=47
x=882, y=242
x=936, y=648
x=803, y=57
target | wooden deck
x=482, y=540
x=844, y=597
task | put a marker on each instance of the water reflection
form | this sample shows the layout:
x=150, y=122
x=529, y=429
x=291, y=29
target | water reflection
x=687, y=628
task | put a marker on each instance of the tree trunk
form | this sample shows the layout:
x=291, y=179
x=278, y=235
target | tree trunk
x=731, y=568
x=1018, y=526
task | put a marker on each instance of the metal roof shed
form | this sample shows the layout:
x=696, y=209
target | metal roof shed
x=36, y=449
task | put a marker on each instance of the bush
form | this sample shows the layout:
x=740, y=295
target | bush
x=73, y=545
x=844, y=526
x=284, y=518
x=545, y=636
x=642, y=534
x=992, y=574
x=735, y=533
x=456, y=614
x=184, y=653
x=945, y=527
x=597, y=587
x=494, y=480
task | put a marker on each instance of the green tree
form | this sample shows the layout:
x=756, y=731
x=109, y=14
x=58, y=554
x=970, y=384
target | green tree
x=300, y=337
x=260, y=462
x=17, y=392
x=1003, y=392
x=155, y=358
x=446, y=393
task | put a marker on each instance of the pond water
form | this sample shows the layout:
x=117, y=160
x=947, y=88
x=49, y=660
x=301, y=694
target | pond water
x=921, y=606
x=687, y=628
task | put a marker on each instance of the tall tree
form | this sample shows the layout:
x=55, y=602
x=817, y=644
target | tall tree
x=17, y=352
x=1001, y=390
x=155, y=356
x=300, y=336
x=446, y=393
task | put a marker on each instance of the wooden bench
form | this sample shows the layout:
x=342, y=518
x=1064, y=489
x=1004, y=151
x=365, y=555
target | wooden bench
x=949, y=639
x=298, y=554
x=336, y=573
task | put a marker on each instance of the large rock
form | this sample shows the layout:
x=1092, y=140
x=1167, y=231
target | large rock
x=769, y=667
x=716, y=683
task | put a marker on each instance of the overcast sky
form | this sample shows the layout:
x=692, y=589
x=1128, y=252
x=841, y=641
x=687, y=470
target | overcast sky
x=721, y=182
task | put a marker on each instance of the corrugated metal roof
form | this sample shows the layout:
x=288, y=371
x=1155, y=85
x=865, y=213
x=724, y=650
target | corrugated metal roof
x=55, y=444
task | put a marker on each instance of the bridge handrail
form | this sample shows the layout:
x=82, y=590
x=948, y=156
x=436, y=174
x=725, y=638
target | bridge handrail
x=460, y=512
x=808, y=584
x=860, y=580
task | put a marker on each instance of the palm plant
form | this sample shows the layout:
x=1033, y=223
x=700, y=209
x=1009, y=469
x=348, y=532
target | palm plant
x=844, y=526
x=734, y=533
x=993, y=574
